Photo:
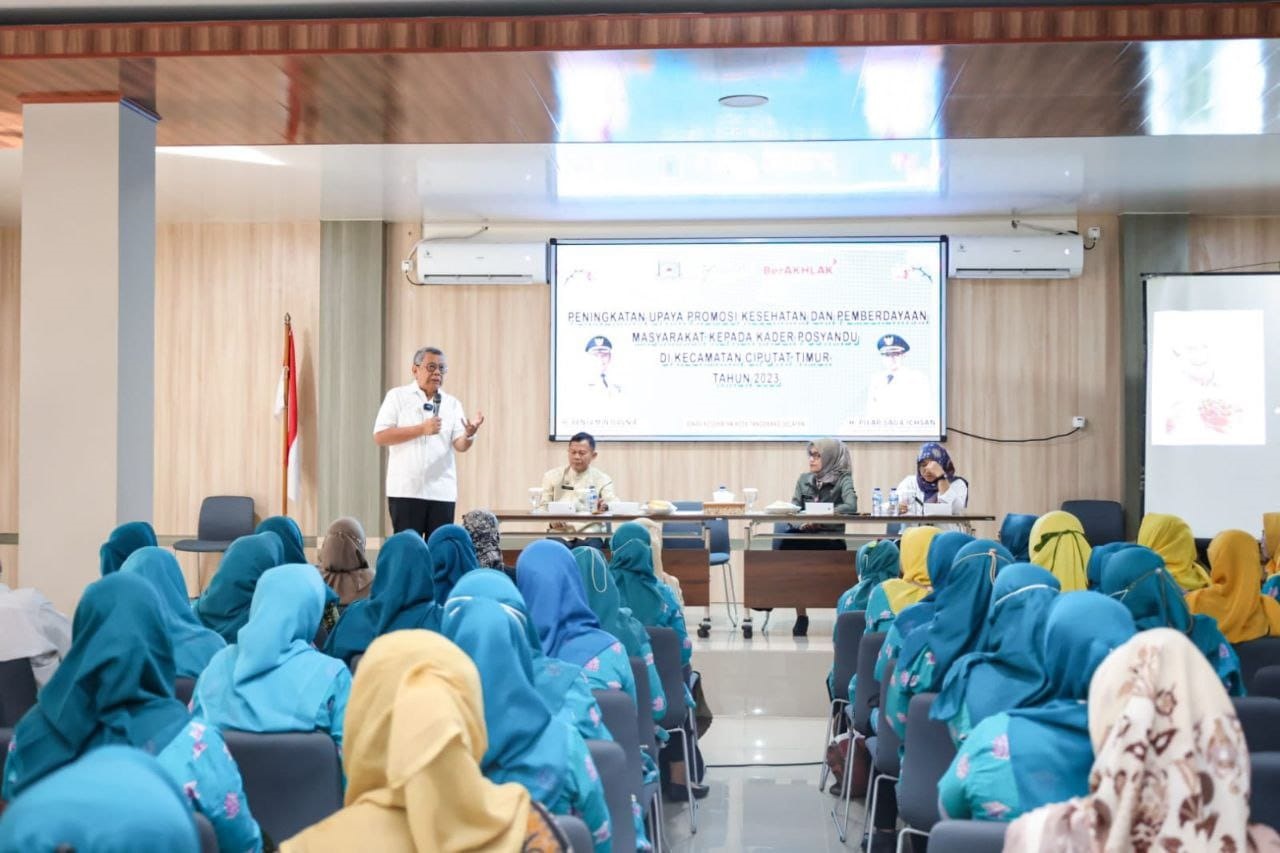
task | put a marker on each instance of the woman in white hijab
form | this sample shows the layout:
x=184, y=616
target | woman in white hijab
x=31, y=627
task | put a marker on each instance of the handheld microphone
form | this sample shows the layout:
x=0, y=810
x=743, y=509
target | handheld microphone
x=436, y=400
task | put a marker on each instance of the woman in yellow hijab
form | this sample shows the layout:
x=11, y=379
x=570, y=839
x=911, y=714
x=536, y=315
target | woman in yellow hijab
x=896, y=594
x=413, y=738
x=1233, y=597
x=1170, y=537
x=1057, y=543
x=1271, y=540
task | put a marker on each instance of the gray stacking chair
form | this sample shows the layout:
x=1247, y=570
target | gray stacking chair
x=223, y=519
x=1264, y=805
x=17, y=690
x=208, y=838
x=577, y=833
x=291, y=779
x=1256, y=654
x=651, y=798
x=849, y=629
x=885, y=764
x=183, y=689
x=6, y=735
x=679, y=718
x=866, y=698
x=611, y=764
x=355, y=662
x=1103, y=521
x=1266, y=682
x=619, y=714
x=927, y=756
x=967, y=836
x=1260, y=720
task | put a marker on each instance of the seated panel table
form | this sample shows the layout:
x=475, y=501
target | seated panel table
x=771, y=578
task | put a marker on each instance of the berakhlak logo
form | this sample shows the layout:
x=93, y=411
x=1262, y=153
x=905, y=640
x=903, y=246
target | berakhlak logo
x=828, y=268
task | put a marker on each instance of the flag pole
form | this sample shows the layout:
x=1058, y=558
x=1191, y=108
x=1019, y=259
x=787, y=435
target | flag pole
x=284, y=423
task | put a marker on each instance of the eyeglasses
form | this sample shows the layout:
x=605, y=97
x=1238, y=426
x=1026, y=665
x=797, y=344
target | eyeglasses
x=813, y=454
x=431, y=367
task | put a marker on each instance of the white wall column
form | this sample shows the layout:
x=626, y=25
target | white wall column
x=86, y=396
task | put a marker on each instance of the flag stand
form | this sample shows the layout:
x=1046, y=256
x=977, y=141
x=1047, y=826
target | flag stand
x=284, y=422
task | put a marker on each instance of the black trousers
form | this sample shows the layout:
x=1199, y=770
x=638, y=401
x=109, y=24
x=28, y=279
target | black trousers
x=417, y=514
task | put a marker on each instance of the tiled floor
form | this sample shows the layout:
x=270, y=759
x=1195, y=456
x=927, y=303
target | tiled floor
x=768, y=695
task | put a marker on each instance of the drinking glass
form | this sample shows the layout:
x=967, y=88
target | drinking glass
x=750, y=494
x=535, y=495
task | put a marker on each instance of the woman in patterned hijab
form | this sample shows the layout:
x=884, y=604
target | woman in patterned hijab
x=1171, y=767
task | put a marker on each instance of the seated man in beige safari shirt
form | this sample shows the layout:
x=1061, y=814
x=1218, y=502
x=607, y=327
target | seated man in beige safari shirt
x=573, y=482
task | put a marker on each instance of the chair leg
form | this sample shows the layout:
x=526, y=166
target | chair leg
x=655, y=819
x=902, y=835
x=846, y=791
x=868, y=819
x=689, y=766
x=730, y=595
x=826, y=744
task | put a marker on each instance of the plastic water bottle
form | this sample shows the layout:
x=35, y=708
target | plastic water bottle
x=877, y=502
x=892, y=509
x=593, y=498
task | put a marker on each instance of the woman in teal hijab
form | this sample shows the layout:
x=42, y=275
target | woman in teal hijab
x=563, y=686
x=452, y=556
x=1009, y=669
x=877, y=562
x=115, y=686
x=1136, y=577
x=122, y=542
x=1098, y=558
x=957, y=627
x=290, y=537
x=272, y=679
x=1019, y=760
x=606, y=603
x=193, y=644
x=402, y=596
x=224, y=606
x=115, y=799
x=1015, y=534
x=526, y=744
x=650, y=600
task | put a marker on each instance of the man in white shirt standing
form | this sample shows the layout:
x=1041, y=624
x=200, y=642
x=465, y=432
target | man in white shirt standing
x=423, y=427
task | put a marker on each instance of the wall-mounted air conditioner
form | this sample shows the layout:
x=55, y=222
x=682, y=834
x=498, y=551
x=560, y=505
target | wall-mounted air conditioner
x=1047, y=256
x=467, y=262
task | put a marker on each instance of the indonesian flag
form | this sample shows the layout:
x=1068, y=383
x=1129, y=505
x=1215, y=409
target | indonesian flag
x=287, y=403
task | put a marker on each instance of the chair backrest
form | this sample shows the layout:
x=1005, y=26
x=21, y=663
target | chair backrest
x=666, y=657
x=849, y=630
x=888, y=743
x=866, y=693
x=17, y=690
x=1266, y=682
x=291, y=779
x=619, y=714
x=577, y=833
x=644, y=708
x=6, y=735
x=1103, y=521
x=1260, y=720
x=183, y=688
x=611, y=764
x=925, y=760
x=1264, y=806
x=968, y=836
x=683, y=535
x=355, y=662
x=208, y=838
x=225, y=517
x=1255, y=654
x=718, y=534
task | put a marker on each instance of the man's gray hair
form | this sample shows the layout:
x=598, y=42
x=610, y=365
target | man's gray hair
x=422, y=353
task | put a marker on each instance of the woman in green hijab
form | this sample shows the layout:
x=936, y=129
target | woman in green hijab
x=224, y=606
x=116, y=687
x=650, y=600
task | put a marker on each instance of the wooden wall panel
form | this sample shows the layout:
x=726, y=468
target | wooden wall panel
x=1025, y=356
x=10, y=320
x=1224, y=242
x=221, y=294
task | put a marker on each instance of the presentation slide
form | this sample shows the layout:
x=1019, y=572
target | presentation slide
x=1213, y=408
x=748, y=340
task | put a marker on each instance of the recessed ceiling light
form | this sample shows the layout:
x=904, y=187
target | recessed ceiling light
x=743, y=101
